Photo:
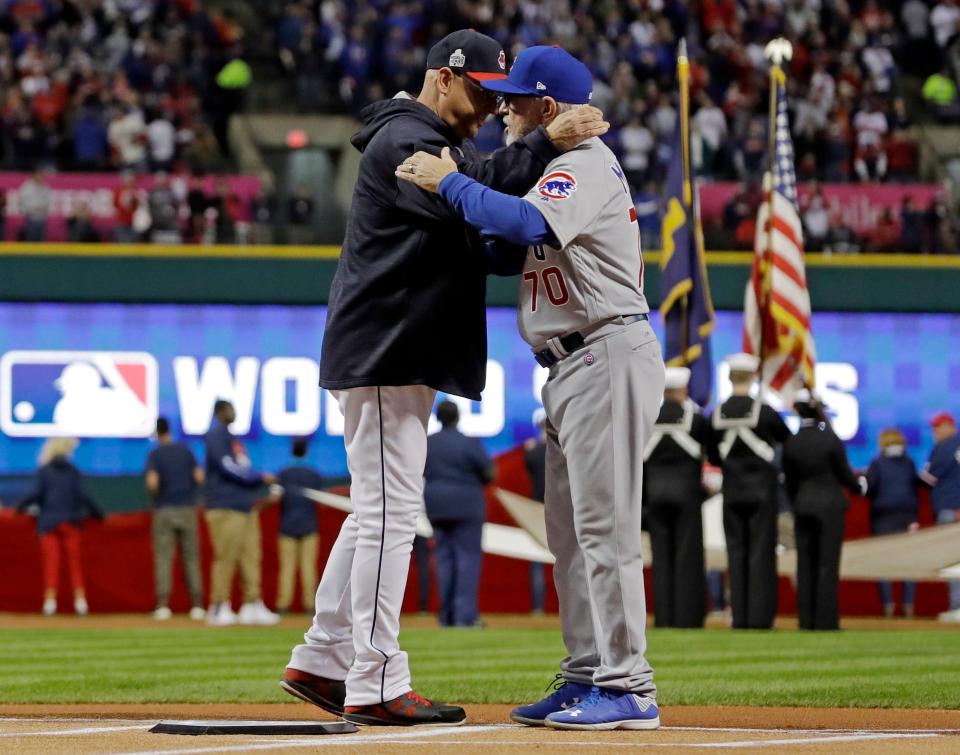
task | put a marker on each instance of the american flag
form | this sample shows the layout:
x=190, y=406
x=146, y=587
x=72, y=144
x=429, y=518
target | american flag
x=776, y=311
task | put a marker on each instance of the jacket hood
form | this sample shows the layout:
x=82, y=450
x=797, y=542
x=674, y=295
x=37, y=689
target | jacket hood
x=379, y=114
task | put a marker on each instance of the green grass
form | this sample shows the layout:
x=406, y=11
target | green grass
x=853, y=668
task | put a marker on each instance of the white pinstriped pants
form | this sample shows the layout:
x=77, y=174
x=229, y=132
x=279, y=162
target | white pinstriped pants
x=355, y=631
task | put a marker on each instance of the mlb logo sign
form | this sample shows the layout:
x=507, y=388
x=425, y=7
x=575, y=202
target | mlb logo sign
x=79, y=394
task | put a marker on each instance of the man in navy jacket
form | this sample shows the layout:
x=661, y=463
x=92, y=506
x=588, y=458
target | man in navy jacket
x=458, y=468
x=942, y=473
x=234, y=523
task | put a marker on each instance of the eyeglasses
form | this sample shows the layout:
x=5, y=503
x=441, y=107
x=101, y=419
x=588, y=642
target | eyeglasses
x=490, y=98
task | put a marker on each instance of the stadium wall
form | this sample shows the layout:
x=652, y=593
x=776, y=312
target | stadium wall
x=302, y=275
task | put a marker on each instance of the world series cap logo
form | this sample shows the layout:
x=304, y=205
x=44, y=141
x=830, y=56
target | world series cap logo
x=81, y=394
x=458, y=59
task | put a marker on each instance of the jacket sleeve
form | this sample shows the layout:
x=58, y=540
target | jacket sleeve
x=220, y=459
x=496, y=214
x=778, y=428
x=841, y=466
x=512, y=169
x=34, y=494
x=873, y=479
x=790, y=475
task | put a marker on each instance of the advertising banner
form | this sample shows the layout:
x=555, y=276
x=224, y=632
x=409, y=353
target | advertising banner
x=95, y=191
x=104, y=372
x=859, y=205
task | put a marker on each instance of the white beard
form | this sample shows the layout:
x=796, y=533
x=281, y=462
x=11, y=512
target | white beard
x=509, y=137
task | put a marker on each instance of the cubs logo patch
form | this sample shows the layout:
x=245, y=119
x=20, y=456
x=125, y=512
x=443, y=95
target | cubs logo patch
x=502, y=60
x=557, y=185
x=589, y=359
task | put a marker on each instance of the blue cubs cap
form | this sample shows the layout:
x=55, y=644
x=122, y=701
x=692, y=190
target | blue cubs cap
x=543, y=71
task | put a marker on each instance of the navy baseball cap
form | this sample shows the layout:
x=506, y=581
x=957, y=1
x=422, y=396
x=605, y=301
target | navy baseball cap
x=544, y=71
x=467, y=51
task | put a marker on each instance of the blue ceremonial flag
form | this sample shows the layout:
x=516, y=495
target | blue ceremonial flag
x=685, y=303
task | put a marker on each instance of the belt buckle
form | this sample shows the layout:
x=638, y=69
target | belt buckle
x=545, y=358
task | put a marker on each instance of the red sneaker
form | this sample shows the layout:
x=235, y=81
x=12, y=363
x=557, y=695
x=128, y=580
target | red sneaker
x=407, y=710
x=324, y=693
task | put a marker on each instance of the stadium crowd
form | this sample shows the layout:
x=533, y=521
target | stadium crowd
x=148, y=86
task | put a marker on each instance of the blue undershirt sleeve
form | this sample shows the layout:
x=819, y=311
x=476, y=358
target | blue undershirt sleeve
x=494, y=214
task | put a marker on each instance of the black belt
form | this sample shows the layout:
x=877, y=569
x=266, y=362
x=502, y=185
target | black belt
x=573, y=341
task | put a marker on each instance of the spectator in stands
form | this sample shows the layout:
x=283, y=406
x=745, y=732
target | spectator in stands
x=61, y=502
x=173, y=478
x=940, y=94
x=127, y=135
x=125, y=202
x=870, y=160
x=164, y=214
x=884, y=235
x=816, y=219
x=710, y=123
x=647, y=204
x=162, y=141
x=3, y=215
x=300, y=214
x=80, y=225
x=298, y=528
x=36, y=201
x=892, y=489
x=90, y=148
x=945, y=22
x=751, y=153
x=835, y=162
x=942, y=473
x=940, y=232
x=456, y=472
x=911, y=226
x=840, y=238
x=234, y=523
x=637, y=144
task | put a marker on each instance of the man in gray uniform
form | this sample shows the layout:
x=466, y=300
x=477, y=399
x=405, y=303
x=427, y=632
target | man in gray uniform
x=583, y=311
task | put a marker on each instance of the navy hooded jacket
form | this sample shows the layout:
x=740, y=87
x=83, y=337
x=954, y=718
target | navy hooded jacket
x=231, y=482
x=59, y=492
x=408, y=301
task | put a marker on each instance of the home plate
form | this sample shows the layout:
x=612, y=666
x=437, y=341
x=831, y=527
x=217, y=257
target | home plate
x=298, y=728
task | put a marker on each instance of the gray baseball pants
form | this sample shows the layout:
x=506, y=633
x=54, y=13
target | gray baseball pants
x=601, y=404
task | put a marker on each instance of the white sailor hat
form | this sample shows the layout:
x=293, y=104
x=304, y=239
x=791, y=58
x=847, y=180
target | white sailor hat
x=742, y=362
x=803, y=396
x=676, y=377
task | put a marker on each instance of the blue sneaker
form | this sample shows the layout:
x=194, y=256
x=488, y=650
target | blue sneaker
x=608, y=709
x=565, y=695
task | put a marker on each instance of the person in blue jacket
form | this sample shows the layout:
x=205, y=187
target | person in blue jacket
x=892, y=490
x=942, y=474
x=234, y=523
x=61, y=502
x=298, y=528
x=457, y=469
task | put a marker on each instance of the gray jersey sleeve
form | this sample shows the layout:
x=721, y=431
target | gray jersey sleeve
x=570, y=194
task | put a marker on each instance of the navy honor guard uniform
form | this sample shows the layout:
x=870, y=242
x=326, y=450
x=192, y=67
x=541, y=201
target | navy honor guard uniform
x=673, y=495
x=816, y=471
x=746, y=432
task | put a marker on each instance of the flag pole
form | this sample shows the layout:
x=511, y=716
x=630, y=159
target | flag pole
x=777, y=51
x=683, y=77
